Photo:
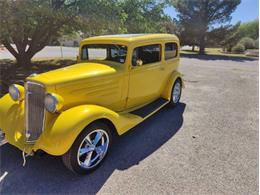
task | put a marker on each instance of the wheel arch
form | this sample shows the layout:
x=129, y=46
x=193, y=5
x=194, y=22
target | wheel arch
x=106, y=121
x=167, y=91
x=68, y=125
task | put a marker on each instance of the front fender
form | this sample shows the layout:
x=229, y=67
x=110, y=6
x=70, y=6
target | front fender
x=167, y=91
x=62, y=130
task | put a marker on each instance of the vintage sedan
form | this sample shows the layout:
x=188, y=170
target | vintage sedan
x=74, y=112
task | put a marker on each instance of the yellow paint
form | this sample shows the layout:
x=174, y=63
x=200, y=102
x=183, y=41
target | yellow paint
x=90, y=91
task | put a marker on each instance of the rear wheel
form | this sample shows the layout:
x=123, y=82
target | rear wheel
x=89, y=149
x=176, y=92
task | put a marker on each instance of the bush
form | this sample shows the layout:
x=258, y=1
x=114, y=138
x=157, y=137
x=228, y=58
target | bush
x=238, y=48
x=257, y=43
x=247, y=42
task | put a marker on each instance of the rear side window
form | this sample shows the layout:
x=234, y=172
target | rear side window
x=171, y=51
x=147, y=54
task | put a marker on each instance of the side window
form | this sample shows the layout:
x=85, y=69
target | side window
x=170, y=50
x=146, y=54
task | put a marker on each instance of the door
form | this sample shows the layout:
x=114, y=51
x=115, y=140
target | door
x=145, y=79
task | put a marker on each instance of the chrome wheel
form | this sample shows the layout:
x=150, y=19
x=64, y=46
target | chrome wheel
x=93, y=149
x=176, y=92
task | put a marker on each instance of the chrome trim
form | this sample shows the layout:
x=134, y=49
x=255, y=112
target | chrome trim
x=27, y=93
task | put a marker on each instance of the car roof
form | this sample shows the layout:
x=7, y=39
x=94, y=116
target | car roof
x=133, y=37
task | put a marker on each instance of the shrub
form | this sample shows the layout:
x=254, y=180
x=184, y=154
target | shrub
x=238, y=48
x=247, y=42
x=257, y=43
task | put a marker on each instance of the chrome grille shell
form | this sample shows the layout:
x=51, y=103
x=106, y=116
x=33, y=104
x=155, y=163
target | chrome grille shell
x=34, y=110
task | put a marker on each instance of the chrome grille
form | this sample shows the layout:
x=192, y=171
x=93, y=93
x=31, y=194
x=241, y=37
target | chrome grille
x=34, y=108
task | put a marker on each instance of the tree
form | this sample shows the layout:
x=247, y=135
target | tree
x=128, y=16
x=28, y=26
x=144, y=16
x=249, y=29
x=235, y=33
x=101, y=17
x=230, y=37
x=203, y=15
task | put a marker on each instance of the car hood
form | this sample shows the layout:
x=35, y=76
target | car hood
x=72, y=73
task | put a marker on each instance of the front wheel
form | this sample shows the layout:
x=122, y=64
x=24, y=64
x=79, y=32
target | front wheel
x=89, y=149
x=176, y=92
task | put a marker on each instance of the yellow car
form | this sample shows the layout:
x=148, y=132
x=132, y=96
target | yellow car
x=118, y=82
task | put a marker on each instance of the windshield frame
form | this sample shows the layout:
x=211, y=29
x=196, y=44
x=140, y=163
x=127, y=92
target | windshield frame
x=105, y=60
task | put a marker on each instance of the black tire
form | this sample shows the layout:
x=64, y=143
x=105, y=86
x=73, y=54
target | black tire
x=70, y=159
x=172, y=102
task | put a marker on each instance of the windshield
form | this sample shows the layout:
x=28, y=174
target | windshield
x=102, y=52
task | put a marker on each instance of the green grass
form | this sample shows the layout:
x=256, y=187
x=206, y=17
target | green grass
x=213, y=51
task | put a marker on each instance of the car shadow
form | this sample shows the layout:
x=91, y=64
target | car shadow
x=48, y=175
x=218, y=57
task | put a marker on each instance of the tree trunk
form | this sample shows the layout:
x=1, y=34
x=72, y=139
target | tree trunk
x=193, y=47
x=202, y=45
x=24, y=61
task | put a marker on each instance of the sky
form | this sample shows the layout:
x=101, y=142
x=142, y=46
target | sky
x=247, y=10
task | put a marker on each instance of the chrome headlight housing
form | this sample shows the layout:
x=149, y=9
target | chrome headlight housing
x=16, y=92
x=53, y=102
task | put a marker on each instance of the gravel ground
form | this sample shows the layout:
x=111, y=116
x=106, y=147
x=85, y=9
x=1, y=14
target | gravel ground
x=206, y=145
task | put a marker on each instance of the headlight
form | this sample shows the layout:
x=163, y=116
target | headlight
x=53, y=102
x=16, y=92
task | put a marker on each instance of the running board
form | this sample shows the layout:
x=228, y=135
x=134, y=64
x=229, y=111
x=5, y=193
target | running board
x=148, y=109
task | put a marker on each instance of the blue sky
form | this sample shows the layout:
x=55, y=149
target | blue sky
x=246, y=11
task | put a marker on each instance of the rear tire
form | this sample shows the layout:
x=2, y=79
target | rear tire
x=89, y=150
x=176, y=92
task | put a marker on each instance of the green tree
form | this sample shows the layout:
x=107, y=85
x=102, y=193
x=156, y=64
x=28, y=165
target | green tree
x=128, y=16
x=237, y=32
x=28, y=26
x=101, y=17
x=202, y=15
x=230, y=37
x=249, y=29
x=144, y=16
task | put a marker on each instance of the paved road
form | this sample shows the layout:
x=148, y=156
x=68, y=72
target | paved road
x=206, y=145
x=47, y=52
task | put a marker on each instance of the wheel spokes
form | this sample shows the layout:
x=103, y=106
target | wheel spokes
x=93, y=148
x=97, y=138
x=84, y=150
x=87, y=161
x=101, y=150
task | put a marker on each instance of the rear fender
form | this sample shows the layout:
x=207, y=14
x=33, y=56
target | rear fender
x=167, y=91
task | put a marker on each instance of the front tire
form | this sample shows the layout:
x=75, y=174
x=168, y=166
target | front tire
x=176, y=92
x=89, y=149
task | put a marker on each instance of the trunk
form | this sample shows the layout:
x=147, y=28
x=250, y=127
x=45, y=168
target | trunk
x=193, y=47
x=202, y=45
x=24, y=60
